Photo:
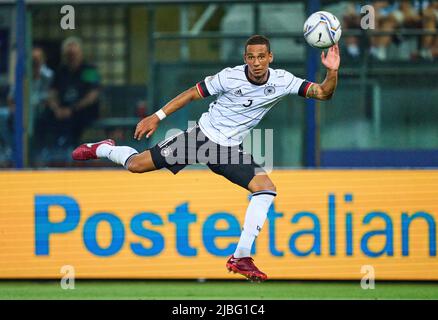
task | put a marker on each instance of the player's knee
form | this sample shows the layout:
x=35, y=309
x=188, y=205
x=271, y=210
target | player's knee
x=135, y=166
x=256, y=186
x=140, y=163
x=271, y=187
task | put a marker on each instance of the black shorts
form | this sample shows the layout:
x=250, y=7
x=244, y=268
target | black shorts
x=192, y=146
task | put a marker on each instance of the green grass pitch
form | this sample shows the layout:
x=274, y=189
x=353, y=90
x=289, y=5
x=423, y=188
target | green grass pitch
x=220, y=290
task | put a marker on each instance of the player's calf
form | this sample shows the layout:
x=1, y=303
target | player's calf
x=263, y=194
x=123, y=155
x=104, y=149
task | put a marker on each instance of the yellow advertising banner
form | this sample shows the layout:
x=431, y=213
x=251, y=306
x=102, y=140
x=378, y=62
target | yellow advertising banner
x=324, y=224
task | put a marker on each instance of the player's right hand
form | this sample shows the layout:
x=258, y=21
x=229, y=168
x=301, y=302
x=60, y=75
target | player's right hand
x=332, y=59
x=147, y=127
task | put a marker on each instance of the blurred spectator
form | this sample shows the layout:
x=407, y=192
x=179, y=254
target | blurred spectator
x=435, y=42
x=418, y=15
x=73, y=101
x=351, y=20
x=42, y=78
x=432, y=12
x=385, y=20
x=390, y=16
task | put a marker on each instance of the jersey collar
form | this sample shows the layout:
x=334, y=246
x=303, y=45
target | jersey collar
x=255, y=83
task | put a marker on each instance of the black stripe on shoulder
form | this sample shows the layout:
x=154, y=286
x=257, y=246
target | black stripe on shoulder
x=203, y=89
x=302, y=91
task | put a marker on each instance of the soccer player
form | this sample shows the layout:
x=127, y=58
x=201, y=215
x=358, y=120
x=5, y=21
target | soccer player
x=245, y=94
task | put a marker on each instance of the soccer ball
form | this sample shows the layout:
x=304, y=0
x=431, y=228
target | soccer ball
x=322, y=30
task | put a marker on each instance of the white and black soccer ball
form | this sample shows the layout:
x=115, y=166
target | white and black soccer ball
x=322, y=30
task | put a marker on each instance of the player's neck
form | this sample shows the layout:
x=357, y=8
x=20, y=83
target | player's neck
x=256, y=80
x=260, y=80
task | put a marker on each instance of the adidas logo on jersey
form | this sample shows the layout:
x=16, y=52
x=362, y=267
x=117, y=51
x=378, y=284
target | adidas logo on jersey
x=238, y=93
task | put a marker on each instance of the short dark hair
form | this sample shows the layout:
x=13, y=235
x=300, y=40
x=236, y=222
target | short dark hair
x=258, y=39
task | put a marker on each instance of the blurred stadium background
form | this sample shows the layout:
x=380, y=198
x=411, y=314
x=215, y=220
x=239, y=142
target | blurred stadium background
x=382, y=121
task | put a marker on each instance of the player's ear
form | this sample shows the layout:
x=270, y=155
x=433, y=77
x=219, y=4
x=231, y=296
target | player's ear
x=271, y=57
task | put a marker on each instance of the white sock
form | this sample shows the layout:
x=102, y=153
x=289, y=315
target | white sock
x=254, y=219
x=116, y=154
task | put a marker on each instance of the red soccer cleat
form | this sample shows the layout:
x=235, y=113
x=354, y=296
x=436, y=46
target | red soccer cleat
x=246, y=267
x=87, y=151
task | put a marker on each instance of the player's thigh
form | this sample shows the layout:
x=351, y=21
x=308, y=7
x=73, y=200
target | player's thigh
x=141, y=162
x=238, y=174
x=249, y=176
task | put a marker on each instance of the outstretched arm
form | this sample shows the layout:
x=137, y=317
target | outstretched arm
x=149, y=125
x=325, y=90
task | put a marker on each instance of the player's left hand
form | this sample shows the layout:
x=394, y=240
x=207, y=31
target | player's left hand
x=332, y=59
x=147, y=127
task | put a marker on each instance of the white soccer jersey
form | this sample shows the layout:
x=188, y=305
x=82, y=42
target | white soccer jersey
x=242, y=103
